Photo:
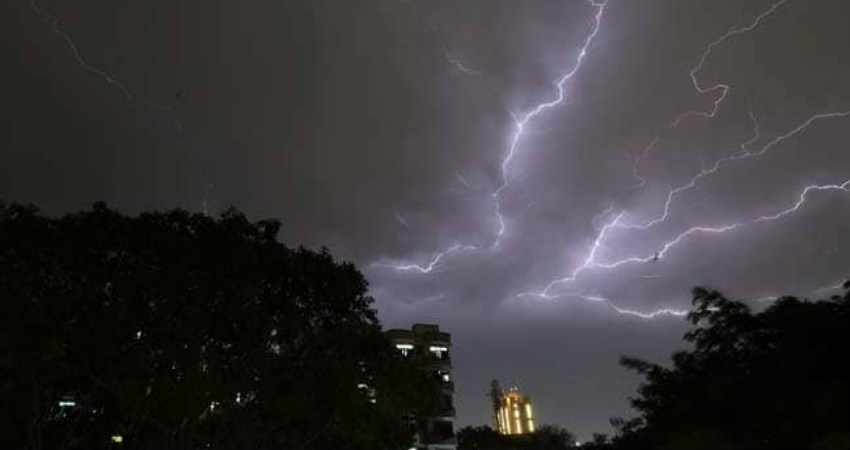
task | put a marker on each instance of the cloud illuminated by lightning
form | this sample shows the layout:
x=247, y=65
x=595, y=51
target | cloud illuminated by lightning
x=53, y=22
x=614, y=219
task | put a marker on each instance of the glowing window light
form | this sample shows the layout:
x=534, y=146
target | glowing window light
x=405, y=349
x=117, y=438
x=528, y=410
x=438, y=351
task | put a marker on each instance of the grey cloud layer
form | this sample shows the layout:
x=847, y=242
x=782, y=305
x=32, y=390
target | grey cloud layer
x=378, y=127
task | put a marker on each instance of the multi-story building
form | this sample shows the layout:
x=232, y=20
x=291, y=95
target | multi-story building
x=429, y=347
x=512, y=411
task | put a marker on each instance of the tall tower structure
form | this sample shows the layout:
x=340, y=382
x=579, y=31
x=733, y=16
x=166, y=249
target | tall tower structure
x=512, y=411
x=496, y=397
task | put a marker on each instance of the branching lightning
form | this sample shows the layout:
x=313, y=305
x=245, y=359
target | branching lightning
x=613, y=219
x=590, y=262
x=693, y=73
x=53, y=22
x=521, y=122
x=744, y=154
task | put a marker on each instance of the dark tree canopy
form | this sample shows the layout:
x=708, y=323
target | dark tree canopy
x=547, y=437
x=771, y=380
x=180, y=331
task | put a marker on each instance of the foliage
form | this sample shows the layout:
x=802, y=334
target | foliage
x=176, y=330
x=773, y=379
x=547, y=437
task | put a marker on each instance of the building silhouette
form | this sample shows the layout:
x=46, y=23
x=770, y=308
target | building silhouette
x=429, y=347
x=512, y=411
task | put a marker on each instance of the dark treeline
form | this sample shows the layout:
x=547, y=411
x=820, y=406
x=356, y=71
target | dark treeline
x=180, y=331
x=546, y=437
x=777, y=379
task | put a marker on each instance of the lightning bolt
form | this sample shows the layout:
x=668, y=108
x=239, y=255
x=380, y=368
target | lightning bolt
x=623, y=311
x=590, y=262
x=205, y=203
x=615, y=220
x=745, y=154
x=400, y=219
x=821, y=290
x=53, y=22
x=433, y=264
x=522, y=121
x=458, y=64
x=463, y=181
x=447, y=54
x=831, y=288
x=693, y=73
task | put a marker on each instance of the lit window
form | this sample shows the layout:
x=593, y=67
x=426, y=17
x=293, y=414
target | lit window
x=405, y=349
x=446, y=377
x=439, y=352
x=117, y=439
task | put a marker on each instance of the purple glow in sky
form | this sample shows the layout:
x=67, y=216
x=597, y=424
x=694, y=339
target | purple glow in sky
x=546, y=179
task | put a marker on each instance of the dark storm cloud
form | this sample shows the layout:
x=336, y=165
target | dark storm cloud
x=378, y=127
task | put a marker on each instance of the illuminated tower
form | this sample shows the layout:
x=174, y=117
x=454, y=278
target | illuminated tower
x=512, y=411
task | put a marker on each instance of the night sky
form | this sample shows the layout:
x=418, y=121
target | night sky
x=545, y=179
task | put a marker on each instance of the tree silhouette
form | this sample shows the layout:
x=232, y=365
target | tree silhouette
x=546, y=437
x=774, y=379
x=176, y=330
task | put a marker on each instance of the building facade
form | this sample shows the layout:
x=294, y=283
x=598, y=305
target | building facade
x=429, y=347
x=512, y=411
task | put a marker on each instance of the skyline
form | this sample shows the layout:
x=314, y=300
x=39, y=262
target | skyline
x=560, y=171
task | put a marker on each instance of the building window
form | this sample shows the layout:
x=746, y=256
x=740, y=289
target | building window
x=405, y=349
x=439, y=352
